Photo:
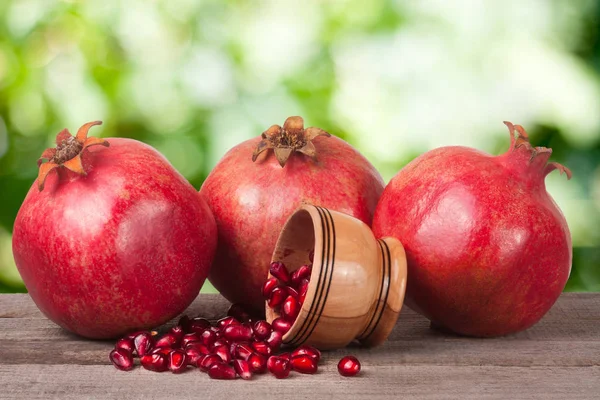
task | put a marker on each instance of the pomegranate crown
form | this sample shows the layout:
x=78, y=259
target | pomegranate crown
x=288, y=139
x=67, y=152
x=537, y=155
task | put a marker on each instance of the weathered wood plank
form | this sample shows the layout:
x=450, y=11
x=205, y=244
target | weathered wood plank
x=401, y=381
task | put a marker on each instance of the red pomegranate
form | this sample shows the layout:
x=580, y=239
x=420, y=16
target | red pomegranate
x=252, y=191
x=111, y=238
x=488, y=250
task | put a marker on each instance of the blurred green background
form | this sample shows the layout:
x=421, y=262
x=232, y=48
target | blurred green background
x=394, y=78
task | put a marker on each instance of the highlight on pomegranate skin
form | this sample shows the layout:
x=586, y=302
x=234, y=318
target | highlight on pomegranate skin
x=111, y=238
x=488, y=250
x=260, y=182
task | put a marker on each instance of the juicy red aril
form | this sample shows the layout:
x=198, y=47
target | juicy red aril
x=238, y=312
x=161, y=350
x=221, y=371
x=184, y=322
x=349, y=366
x=178, y=361
x=177, y=331
x=208, y=337
x=281, y=325
x=226, y=321
x=208, y=361
x=302, y=290
x=257, y=363
x=220, y=342
x=286, y=355
x=278, y=296
x=193, y=355
x=132, y=335
x=261, y=329
x=223, y=352
x=154, y=362
x=125, y=344
x=242, y=368
x=304, y=364
x=262, y=348
x=279, y=271
x=237, y=333
x=143, y=343
x=274, y=340
x=121, y=359
x=217, y=331
x=198, y=325
x=268, y=287
x=301, y=273
x=292, y=292
x=290, y=309
x=168, y=340
x=279, y=367
x=190, y=338
x=242, y=351
x=309, y=351
x=202, y=349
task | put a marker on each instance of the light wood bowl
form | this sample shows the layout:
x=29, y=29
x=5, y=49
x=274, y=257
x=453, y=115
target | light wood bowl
x=357, y=284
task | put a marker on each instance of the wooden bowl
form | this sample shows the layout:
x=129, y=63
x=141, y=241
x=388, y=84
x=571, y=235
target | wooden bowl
x=357, y=283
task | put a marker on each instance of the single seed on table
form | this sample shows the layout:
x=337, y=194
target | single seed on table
x=223, y=352
x=279, y=367
x=208, y=361
x=143, y=343
x=242, y=368
x=304, y=364
x=125, y=344
x=193, y=355
x=242, y=351
x=349, y=366
x=258, y=363
x=221, y=370
x=154, y=362
x=178, y=361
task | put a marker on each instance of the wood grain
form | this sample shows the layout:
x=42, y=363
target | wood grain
x=558, y=358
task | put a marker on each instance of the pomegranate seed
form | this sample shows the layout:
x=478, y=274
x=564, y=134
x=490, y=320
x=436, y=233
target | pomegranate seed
x=262, y=329
x=278, y=296
x=301, y=273
x=202, y=349
x=161, y=350
x=121, y=359
x=292, y=292
x=349, y=366
x=286, y=355
x=217, y=331
x=257, y=363
x=223, y=352
x=226, y=321
x=242, y=368
x=190, y=338
x=132, y=335
x=208, y=337
x=193, y=355
x=281, y=325
x=268, y=287
x=279, y=367
x=199, y=325
x=154, y=362
x=125, y=344
x=242, y=351
x=274, y=340
x=238, y=312
x=290, y=309
x=178, y=332
x=143, y=343
x=184, y=322
x=279, y=271
x=168, y=340
x=221, y=371
x=220, y=342
x=178, y=361
x=262, y=348
x=208, y=361
x=237, y=333
x=308, y=351
x=302, y=290
x=311, y=256
x=304, y=364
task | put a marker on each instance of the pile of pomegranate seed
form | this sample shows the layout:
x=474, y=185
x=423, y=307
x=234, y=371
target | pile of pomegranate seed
x=234, y=345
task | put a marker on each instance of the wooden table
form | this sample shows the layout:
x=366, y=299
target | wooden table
x=557, y=359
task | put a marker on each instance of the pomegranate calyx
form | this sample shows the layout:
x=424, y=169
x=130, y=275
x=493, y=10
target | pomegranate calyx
x=67, y=152
x=537, y=155
x=288, y=139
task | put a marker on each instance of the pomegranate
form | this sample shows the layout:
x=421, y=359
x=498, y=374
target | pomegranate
x=349, y=366
x=251, y=201
x=111, y=238
x=488, y=250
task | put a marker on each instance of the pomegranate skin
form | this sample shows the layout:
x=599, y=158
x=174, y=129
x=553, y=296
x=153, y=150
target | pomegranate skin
x=252, y=200
x=126, y=247
x=489, y=251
